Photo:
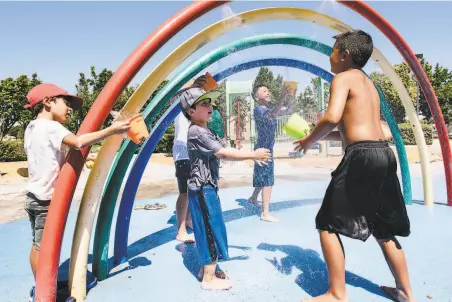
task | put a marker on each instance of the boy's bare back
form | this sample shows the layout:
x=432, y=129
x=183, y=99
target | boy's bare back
x=361, y=117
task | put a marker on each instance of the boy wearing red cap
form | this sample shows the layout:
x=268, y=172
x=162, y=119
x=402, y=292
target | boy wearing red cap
x=46, y=142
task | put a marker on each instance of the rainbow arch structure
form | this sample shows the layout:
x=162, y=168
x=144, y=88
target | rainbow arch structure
x=56, y=219
x=163, y=97
x=121, y=162
x=85, y=220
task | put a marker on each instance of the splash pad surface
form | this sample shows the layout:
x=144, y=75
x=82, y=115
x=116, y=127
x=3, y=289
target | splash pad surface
x=270, y=262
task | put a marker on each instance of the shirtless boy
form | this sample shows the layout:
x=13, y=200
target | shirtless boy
x=364, y=196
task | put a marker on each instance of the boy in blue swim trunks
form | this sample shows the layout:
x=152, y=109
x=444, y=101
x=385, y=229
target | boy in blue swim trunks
x=263, y=176
x=205, y=150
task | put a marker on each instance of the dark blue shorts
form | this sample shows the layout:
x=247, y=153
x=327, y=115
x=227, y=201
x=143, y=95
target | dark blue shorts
x=208, y=225
x=264, y=176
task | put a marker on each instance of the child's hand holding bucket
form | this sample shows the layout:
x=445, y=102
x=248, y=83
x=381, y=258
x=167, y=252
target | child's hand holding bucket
x=138, y=130
x=296, y=127
x=120, y=127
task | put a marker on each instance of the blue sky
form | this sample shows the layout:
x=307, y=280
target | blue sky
x=58, y=40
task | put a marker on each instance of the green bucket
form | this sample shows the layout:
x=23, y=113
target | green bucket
x=296, y=127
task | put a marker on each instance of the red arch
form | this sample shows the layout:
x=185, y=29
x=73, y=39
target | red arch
x=67, y=181
x=385, y=27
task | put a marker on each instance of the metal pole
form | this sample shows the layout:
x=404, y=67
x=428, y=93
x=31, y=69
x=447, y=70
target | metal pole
x=238, y=134
x=228, y=114
x=322, y=98
x=419, y=56
x=417, y=97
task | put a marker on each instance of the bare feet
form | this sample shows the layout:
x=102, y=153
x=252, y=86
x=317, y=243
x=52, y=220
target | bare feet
x=218, y=273
x=185, y=238
x=396, y=294
x=269, y=218
x=216, y=284
x=328, y=297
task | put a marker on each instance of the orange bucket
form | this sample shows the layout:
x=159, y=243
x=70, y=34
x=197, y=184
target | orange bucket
x=210, y=83
x=138, y=130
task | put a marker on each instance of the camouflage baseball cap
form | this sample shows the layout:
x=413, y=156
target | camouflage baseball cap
x=191, y=96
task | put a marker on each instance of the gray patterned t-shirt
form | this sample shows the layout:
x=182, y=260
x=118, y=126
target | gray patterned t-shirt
x=202, y=144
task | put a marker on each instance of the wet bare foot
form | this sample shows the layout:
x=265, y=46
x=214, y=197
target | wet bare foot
x=269, y=218
x=218, y=273
x=328, y=297
x=396, y=294
x=216, y=284
x=185, y=238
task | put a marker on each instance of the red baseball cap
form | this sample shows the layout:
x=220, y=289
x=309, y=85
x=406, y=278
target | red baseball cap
x=41, y=91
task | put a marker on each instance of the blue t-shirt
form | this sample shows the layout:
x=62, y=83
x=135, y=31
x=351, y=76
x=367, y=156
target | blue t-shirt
x=265, y=127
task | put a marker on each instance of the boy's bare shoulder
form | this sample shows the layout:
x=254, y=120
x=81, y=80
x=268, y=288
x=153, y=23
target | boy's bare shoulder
x=350, y=74
x=349, y=79
x=344, y=77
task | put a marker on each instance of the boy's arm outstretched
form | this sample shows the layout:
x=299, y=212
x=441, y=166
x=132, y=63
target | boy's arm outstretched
x=206, y=141
x=78, y=142
x=333, y=115
x=276, y=110
x=234, y=154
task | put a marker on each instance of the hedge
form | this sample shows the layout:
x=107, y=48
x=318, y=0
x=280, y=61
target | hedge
x=12, y=151
x=408, y=135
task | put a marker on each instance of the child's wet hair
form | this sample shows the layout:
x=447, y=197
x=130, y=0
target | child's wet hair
x=256, y=90
x=358, y=43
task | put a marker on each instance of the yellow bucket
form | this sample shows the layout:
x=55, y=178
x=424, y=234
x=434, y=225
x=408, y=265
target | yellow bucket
x=296, y=127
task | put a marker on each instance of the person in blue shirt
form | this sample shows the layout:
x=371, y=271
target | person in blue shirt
x=265, y=120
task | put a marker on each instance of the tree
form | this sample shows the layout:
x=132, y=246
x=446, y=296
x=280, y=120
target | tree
x=220, y=103
x=276, y=89
x=441, y=80
x=404, y=73
x=444, y=94
x=163, y=110
x=89, y=89
x=390, y=95
x=307, y=101
x=326, y=91
x=17, y=132
x=13, y=97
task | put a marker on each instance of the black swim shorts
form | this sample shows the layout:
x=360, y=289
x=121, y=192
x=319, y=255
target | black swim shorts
x=182, y=174
x=364, y=195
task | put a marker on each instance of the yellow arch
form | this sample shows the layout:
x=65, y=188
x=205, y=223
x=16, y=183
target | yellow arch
x=99, y=173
